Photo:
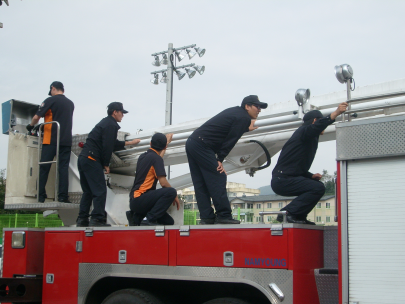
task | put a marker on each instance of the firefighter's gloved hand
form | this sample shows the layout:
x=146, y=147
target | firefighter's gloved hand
x=36, y=128
x=29, y=127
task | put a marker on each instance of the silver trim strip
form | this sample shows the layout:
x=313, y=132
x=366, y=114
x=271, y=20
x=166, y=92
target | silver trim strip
x=344, y=231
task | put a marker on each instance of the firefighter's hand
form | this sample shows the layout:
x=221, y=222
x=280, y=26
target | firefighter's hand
x=252, y=125
x=317, y=176
x=29, y=127
x=176, y=202
x=107, y=169
x=132, y=142
x=220, y=168
x=340, y=109
x=169, y=138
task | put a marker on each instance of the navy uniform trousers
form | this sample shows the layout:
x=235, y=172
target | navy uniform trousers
x=208, y=182
x=308, y=191
x=48, y=154
x=94, y=188
x=154, y=204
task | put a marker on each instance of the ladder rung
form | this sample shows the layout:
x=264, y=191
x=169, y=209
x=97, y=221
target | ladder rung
x=50, y=162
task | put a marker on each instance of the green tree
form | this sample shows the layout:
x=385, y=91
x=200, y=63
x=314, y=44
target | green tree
x=329, y=182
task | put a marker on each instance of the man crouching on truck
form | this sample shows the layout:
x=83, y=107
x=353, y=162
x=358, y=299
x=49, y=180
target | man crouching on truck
x=145, y=199
x=291, y=176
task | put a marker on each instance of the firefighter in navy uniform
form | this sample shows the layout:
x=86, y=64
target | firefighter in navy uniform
x=94, y=158
x=291, y=176
x=55, y=108
x=207, y=148
x=145, y=199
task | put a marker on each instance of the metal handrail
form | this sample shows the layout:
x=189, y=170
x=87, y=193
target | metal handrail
x=56, y=161
x=284, y=213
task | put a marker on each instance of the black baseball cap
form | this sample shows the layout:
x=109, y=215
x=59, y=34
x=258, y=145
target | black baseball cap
x=117, y=106
x=57, y=85
x=158, y=141
x=253, y=99
x=309, y=117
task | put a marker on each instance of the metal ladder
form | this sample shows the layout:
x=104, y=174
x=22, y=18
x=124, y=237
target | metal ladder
x=56, y=161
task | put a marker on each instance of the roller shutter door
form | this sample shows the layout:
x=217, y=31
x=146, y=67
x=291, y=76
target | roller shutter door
x=376, y=230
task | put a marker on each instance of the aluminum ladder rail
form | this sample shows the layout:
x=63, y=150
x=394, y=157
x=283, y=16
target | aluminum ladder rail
x=56, y=161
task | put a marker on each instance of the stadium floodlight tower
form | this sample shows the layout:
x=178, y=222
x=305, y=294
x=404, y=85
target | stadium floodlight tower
x=167, y=74
x=344, y=74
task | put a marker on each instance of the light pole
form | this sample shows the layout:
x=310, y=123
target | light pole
x=167, y=74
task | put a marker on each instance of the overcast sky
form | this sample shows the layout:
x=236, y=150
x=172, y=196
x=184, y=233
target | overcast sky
x=101, y=51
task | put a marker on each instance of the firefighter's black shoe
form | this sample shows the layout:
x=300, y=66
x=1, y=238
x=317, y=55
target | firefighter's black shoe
x=82, y=222
x=147, y=222
x=98, y=223
x=226, y=221
x=65, y=200
x=309, y=222
x=290, y=219
x=41, y=199
x=208, y=221
x=133, y=218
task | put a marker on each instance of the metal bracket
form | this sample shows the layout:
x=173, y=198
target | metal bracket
x=228, y=258
x=160, y=231
x=122, y=256
x=88, y=231
x=184, y=230
x=276, y=229
x=277, y=291
x=50, y=278
x=79, y=246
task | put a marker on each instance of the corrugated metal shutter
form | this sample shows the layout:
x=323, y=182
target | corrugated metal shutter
x=376, y=227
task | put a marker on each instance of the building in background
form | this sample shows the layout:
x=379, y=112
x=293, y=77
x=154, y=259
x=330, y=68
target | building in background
x=247, y=209
x=234, y=190
x=246, y=203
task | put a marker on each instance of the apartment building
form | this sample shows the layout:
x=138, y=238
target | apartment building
x=247, y=209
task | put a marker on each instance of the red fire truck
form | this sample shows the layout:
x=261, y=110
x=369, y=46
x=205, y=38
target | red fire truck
x=360, y=261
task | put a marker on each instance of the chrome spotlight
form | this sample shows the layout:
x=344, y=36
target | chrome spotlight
x=164, y=77
x=343, y=72
x=190, y=72
x=156, y=79
x=179, y=56
x=199, y=69
x=190, y=53
x=157, y=61
x=302, y=96
x=164, y=60
x=200, y=51
x=180, y=74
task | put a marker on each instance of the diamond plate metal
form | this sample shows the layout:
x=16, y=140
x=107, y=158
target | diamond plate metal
x=330, y=247
x=90, y=273
x=75, y=197
x=328, y=287
x=379, y=137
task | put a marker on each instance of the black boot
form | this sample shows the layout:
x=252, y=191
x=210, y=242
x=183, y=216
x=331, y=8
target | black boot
x=82, y=222
x=98, y=223
x=226, y=221
x=207, y=221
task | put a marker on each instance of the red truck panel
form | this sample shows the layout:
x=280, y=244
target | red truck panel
x=61, y=260
x=252, y=248
x=306, y=254
x=28, y=260
x=142, y=247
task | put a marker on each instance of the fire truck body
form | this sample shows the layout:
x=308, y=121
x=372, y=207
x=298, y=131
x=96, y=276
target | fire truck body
x=85, y=265
x=358, y=262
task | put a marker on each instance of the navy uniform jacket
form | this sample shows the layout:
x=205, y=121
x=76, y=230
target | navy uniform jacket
x=102, y=141
x=57, y=108
x=299, y=151
x=222, y=131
